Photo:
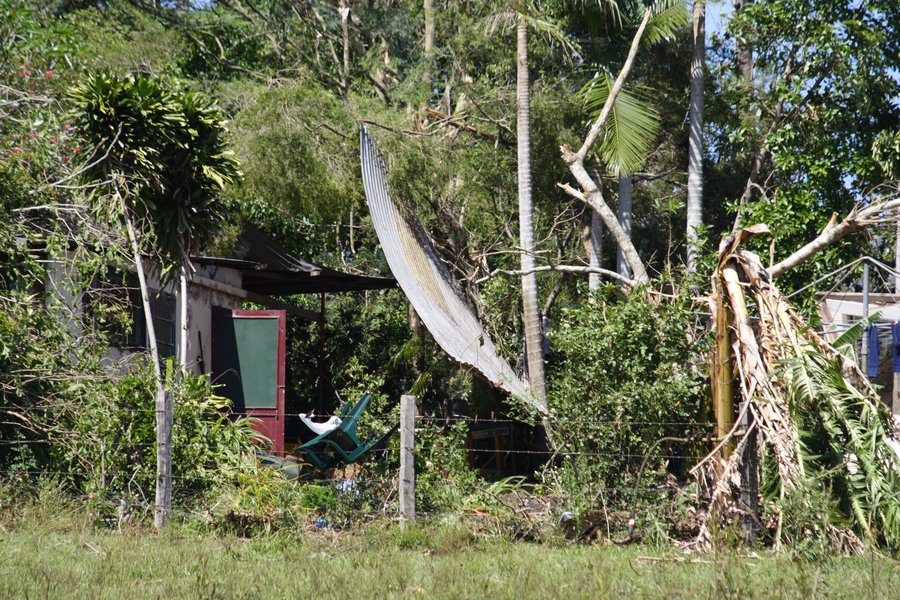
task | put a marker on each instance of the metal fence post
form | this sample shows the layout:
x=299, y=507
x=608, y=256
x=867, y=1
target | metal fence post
x=407, y=460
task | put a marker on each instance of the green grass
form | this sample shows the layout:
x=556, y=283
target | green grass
x=58, y=558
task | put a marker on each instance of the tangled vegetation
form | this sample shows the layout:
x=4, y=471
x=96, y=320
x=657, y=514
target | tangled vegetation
x=198, y=117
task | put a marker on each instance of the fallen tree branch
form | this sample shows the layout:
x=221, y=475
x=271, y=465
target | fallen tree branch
x=448, y=120
x=882, y=210
x=591, y=193
x=561, y=269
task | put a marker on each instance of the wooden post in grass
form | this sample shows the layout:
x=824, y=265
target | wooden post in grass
x=164, y=412
x=407, y=460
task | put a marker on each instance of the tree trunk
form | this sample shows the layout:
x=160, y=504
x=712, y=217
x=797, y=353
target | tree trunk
x=428, y=9
x=695, y=140
x=592, y=238
x=743, y=54
x=145, y=300
x=531, y=310
x=345, y=29
x=625, y=182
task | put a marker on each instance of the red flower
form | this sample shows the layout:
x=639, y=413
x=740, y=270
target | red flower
x=53, y=139
x=15, y=150
x=49, y=73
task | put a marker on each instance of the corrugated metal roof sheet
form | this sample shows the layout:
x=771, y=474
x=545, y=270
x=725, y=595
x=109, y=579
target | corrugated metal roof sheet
x=427, y=284
x=268, y=268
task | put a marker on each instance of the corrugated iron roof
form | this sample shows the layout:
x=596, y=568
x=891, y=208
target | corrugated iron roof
x=427, y=284
x=268, y=268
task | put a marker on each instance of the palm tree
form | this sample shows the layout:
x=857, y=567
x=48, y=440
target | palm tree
x=530, y=309
x=625, y=143
x=624, y=124
x=695, y=148
x=167, y=162
x=525, y=15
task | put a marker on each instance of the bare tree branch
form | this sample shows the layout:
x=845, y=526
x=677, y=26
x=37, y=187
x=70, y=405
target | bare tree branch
x=561, y=269
x=592, y=195
x=884, y=209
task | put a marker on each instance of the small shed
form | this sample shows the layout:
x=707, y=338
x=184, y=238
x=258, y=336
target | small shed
x=244, y=350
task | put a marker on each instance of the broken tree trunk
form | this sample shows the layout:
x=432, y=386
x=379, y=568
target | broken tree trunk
x=792, y=380
x=590, y=192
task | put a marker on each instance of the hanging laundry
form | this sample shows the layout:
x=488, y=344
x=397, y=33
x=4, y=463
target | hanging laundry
x=874, y=357
x=895, y=335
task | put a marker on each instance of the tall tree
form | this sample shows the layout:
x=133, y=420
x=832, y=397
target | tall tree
x=624, y=125
x=164, y=154
x=625, y=184
x=523, y=15
x=345, y=37
x=593, y=243
x=530, y=308
x=695, y=137
x=824, y=90
x=428, y=9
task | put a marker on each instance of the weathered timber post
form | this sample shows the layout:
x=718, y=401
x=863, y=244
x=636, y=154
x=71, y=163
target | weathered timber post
x=407, y=460
x=164, y=412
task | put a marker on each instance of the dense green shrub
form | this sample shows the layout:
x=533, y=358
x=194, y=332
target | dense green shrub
x=627, y=392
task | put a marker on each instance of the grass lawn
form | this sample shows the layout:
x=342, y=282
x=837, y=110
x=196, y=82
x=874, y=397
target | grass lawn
x=66, y=561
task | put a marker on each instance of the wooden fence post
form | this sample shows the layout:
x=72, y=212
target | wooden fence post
x=407, y=460
x=164, y=418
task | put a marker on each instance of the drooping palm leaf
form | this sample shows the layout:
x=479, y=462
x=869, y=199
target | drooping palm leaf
x=846, y=342
x=667, y=17
x=631, y=128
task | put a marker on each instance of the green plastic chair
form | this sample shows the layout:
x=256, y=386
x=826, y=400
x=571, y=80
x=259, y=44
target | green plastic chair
x=342, y=444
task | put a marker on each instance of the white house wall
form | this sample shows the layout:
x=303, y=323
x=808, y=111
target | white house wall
x=210, y=287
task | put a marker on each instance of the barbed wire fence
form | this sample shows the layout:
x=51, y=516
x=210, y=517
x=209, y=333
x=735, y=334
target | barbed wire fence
x=375, y=493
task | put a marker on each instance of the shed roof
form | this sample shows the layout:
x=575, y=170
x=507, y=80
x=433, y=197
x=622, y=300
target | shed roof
x=268, y=268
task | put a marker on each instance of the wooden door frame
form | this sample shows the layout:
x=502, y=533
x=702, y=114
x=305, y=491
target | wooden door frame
x=278, y=412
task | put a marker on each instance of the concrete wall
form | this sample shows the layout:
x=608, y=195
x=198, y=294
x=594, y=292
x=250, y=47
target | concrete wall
x=200, y=308
x=202, y=300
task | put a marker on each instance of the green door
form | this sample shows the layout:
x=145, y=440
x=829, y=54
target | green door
x=248, y=362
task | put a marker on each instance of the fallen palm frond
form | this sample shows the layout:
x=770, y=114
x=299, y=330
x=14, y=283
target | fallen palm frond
x=818, y=421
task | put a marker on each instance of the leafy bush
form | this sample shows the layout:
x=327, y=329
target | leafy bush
x=627, y=394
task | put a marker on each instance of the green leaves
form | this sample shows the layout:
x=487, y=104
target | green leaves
x=846, y=444
x=168, y=147
x=667, y=17
x=631, y=128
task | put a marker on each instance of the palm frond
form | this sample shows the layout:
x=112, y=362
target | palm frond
x=852, y=432
x=846, y=342
x=667, y=17
x=632, y=126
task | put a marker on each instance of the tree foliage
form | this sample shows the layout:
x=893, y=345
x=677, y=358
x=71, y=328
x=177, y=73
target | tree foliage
x=165, y=148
